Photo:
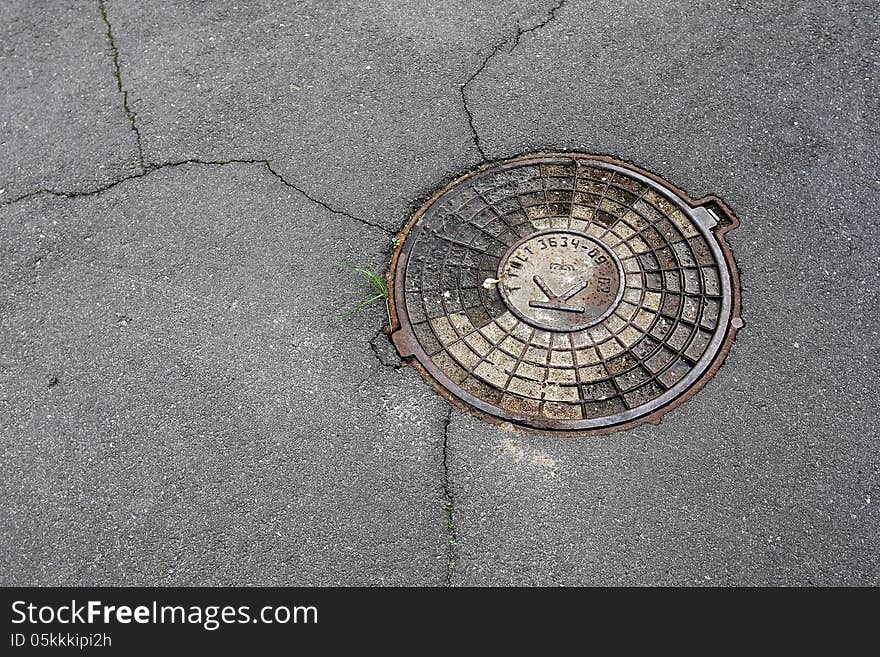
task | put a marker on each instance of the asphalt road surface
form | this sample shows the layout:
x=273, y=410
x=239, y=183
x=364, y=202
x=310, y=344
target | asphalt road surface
x=185, y=186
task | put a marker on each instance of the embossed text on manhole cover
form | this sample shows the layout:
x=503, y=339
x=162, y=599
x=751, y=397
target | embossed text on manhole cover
x=565, y=292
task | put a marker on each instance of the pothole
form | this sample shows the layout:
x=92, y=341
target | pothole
x=565, y=292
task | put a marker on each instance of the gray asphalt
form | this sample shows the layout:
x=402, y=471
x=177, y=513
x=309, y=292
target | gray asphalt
x=181, y=403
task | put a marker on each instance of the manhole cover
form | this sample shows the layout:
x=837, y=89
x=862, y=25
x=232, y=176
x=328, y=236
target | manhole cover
x=566, y=292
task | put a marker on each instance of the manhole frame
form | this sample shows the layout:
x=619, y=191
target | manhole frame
x=408, y=346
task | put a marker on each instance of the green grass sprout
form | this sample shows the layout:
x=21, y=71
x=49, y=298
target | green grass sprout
x=377, y=289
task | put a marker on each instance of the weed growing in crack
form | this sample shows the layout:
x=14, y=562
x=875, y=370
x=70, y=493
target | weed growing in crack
x=376, y=289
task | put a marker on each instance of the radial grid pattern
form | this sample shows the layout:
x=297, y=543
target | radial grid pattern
x=620, y=291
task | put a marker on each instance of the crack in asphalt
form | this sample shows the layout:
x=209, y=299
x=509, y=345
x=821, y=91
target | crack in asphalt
x=551, y=16
x=383, y=358
x=387, y=360
x=464, y=101
x=147, y=169
x=449, y=497
x=520, y=31
x=324, y=205
x=121, y=89
x=151, y=168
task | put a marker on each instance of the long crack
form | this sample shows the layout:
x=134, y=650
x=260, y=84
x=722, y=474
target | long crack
x=464, y=101
x=132, y=117
x=146, y=169
x=324, y=205
x=151, y=168
x=520, y=31
x=449, y=504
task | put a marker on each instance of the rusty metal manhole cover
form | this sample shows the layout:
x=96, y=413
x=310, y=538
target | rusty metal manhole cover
x=565, y=292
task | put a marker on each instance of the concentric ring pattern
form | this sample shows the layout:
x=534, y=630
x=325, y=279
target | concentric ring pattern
x=663, y=324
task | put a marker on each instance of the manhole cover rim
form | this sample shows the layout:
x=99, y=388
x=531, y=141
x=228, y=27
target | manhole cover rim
x=712, y=207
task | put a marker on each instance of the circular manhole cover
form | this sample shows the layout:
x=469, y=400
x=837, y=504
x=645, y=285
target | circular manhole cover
x=566, y=292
